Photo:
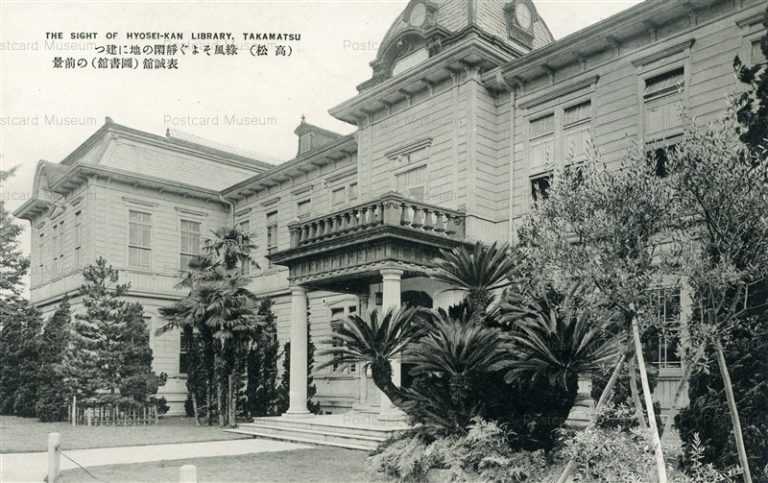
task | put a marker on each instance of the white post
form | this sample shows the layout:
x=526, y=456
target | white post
x=54, y=443
x=74, y=410
x=390, y=300
x=298, y=382
x=188, y=474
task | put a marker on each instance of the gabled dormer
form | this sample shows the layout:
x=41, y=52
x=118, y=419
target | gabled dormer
x=312, y=137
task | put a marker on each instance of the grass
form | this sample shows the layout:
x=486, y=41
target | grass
x=310, y=465
x=19, y=435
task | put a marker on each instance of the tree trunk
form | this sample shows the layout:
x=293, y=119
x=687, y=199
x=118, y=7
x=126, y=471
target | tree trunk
x=209, y=401
x=231, y=403
x=687, y=370
x=194, y=408
x=382, y=377
x=661, y=467
x=636, y=396
x=571, y=466
x=737, y=434
x=219, y=401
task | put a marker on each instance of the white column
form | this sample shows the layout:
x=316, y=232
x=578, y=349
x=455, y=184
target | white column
x=298, y=382
x=391, y=279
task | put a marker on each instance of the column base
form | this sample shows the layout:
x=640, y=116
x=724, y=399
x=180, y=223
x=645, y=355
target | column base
x=392, y=415
x=297, y=414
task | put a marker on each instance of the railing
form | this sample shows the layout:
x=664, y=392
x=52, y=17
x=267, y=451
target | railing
x=391, y=209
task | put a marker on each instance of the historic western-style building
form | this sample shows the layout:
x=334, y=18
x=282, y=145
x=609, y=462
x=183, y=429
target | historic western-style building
x=470, y=107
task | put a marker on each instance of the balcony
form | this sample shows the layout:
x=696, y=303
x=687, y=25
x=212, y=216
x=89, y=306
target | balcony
x=391, y=231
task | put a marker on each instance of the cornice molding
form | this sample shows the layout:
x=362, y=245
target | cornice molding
x=270, y=202
x=668, y=51
x=535, y=99
x=187, y=211
x=140, y=202
x=346, y=173
x=409, y=148
x=302, y=190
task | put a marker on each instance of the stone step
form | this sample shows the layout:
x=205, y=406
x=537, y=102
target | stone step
x=306, y=435
x=351, y=425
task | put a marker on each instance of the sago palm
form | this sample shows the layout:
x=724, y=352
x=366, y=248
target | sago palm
x=477, y=271
x=374, y=342
x=459, y=351
x=555, y=339
x=231, y=246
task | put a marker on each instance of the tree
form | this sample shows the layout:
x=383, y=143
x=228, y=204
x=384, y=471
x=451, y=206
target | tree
x=261, y=387
x=602, y=226
x=222, y=312
x=16, y=316
x=52, y=393
x=477, y=272
x=19, y=353
x=374, y=342
x=109, y=343
x=13, y=264
x=719, y=186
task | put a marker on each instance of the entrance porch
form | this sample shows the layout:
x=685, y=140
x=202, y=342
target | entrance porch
x=379, y=253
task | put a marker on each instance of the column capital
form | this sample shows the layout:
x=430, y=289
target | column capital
x=391, y=273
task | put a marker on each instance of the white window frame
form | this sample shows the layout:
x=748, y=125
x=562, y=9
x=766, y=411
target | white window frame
x=182, y=254
x=666, y=367
x=411, y=169
x=77, y=242
x=139, y=247
x=656, y=66
x=306, y=202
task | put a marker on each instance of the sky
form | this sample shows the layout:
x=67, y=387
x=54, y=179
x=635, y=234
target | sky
x=251, y=103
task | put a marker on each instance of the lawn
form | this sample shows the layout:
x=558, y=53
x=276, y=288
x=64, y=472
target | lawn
x=27, y=435
x=319, y=464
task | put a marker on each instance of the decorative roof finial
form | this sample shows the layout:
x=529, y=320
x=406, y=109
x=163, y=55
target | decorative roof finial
x=303, y=118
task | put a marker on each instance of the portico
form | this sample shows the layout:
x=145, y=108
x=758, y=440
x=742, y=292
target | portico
x=372, y=246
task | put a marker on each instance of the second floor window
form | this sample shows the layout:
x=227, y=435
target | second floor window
x=245, y=228
x=413, y=183
x=272, y=231
x=190, y=243
x=42, y=255
x=304, y=209
x=663, y=100
x=541, y=139
x=54, y=249
x=139, y=239
x=577, y=126
x=78, y=242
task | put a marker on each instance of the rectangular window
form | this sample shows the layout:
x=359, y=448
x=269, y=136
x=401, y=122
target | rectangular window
x=666, y=334
x=245, y=267
x=190, y=243
x=353, y=192
x=339, y=197
x=542, y=141
x=577, y=126
x=139, y=239
x=413, y=183
x=60, y=247
x=42, y=254
x=78, y=242
x=272, y=231
x=304, y=209
x=54, y=250
x=663, y=97
x=540, y=186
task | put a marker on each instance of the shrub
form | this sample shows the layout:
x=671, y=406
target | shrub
x=612, y=455
x=708, y=415
x=484, y=453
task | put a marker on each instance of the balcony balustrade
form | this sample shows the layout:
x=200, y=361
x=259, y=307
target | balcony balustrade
x=391, y=210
